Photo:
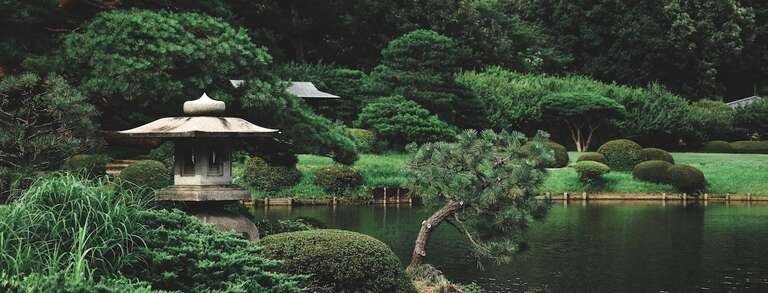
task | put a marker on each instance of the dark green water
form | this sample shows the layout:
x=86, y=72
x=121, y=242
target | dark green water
x=595, y=247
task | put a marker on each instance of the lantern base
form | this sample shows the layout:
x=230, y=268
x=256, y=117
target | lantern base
x=202, y=193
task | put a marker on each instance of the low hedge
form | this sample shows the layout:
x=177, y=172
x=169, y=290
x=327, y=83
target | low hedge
x=260, y=175
x=560, y=159
x=716, y=146
x=652, y=171
x=90, y=165
x=338, y=179
x=750, y=147
x=591, y=156
x=687, y=179
x=147, y=173
x=651, y=154
x=591, y=171
x=338, y=261
x=621, y=154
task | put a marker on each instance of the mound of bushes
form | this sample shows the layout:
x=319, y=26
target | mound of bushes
x=560, y=159
x=716, y=146
x=363, y=138
x=260, y=175
x=90, y=165
x=687, y=179
x=147, y=174
x=651, y=154
x=652, y=171
x=621, y=154
x=591, y=171
x=591, y=156
x=338, y=179
x=750, y=147
x=338, y=261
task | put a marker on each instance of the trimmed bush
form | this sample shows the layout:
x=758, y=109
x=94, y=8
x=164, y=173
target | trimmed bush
x=260, y=175
x=621, y=154
x=590, y=171
x=338, y=179
x=591, y=156
x=91, y=165
x=560, y=159
x=750, y=147
x=652, y=171
x=146, y=173
x=363, y=139
x=338, y=261
x=652, y=154
x=717, y=146
x=687, y=179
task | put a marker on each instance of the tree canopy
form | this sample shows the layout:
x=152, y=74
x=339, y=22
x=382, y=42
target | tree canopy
x=582, y=113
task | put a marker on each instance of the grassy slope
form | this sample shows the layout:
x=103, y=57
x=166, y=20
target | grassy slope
x=726, y=173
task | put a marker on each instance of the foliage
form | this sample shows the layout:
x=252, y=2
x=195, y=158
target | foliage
x=397, y=122
x=591, y=172
x=712, y=119
x=90, y=165
x=687, y=179
x=750, y=147
x=621, y=154
x=269, y=227
x=163, y=153
x=183, y=254
x=754, y=118
x=582, y=113
x=650, y=154
x=338, y=260
x=364, y=139
x=652, y=171
x=716, y=146
x=260, y=175
x=420, y=66
x=485, y=184
x=591, y=156
x=146, y=174
x=44, y=121
x=560, y=154
x=338, y=179
x=58, y=282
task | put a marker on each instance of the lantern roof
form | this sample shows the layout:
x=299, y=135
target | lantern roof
x=203, y=121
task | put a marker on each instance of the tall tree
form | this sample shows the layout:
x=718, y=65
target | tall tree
x=484, y=185
x=582, y=113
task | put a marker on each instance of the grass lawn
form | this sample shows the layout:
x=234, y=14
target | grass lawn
x=726, y=173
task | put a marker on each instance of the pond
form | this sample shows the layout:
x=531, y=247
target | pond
x=593, y=247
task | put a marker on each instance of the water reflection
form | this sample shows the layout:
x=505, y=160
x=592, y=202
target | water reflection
x=595, y=246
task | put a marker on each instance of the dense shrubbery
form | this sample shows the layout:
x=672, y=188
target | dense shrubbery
x=397, y=122
x=364, y=139
x=711, y=120
x=591, y=156
x=652, y=171
x=591, y=172
x=621, y=154
x=146, y=174
x=338, y=261
x=560, y=154
x=716, y=146
x=650, y=154
x=259, y=174
x=750, y=147
x=754, y=119
x=582, y=113
x=91, y=165
x=338, y=179
x=687, y=179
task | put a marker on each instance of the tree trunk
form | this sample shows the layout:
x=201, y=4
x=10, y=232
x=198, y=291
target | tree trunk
x=420, y=248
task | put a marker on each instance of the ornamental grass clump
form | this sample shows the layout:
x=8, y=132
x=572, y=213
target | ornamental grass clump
x=621, y=154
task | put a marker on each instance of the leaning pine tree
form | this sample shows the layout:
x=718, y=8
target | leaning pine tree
x=484, y=184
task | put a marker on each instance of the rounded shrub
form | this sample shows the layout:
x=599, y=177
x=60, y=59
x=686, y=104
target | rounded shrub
x=591, y=156
x=651, y=154
x=652, y=171
x=146, y=173
x=750, y=147
x=363, y=138
x=260, y=175
x=591, y=171
x=92, y=165
x=621, y=154
x=338, y=179
x=716, y=146
x=560, y=154
x=687, y=179
x=338, y=261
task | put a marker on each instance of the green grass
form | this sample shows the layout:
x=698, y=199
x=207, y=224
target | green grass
x=726, y=173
